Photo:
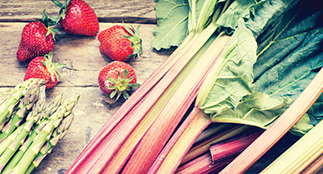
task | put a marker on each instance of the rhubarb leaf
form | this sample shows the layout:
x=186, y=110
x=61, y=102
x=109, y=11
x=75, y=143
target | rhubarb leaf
x=257, y=109
x=172, y=22
x=257, y=14
x=261, y=110
x=289, y=77
x=172, y=19
x=288, y=59
x=298, y=56
x=231, y=78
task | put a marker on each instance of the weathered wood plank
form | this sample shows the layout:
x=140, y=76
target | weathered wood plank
x=133, y=11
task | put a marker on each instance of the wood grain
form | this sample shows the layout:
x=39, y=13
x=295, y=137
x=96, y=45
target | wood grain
x=132, y=11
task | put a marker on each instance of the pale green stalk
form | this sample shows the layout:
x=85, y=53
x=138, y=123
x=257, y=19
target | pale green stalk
x=19, y=91
x=6, y=142
x=38, y=142
x=38, y=115
x=206, y=12
x=32, y=117
x=5, y=95
x=300, y=155
x=23, y=107
x=58, y=134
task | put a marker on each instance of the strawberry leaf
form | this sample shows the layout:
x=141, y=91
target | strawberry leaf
x=45, y=18
x=58, y=4
x=128, y=29
x=119, y=94
x=112, y=80
x=125, y=73
x=134, y=85
x=113, y=93
x=122, y=85
x=136, y=42
x=125, y=95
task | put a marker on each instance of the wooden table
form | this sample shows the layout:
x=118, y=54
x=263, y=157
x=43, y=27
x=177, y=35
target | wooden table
x=83, y=61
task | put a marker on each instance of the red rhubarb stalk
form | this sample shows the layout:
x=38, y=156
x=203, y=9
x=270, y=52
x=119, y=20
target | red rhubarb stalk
x=132, y=101
x=203, y=147
x=202, y=165
x=232, y=147
x=166, y=122
x=197, y=115
x=211, y=131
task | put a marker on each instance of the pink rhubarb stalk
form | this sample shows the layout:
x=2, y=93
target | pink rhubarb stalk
x=203, y=147
x=166, y=122
x=233, y=147
x=202, y=165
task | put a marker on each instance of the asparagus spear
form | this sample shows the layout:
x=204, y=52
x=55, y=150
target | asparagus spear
x=44, y=112
x=8, y=106
x=23, y=107
x=5, y=95
x=58, y=134
x=4, y=144
x=32, y=117
x=63, y=111
x=6, y=139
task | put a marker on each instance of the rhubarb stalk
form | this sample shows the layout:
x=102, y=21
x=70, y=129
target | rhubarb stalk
x=202, y=164
x=162, y=128
x=232, y=147
x=203, y=147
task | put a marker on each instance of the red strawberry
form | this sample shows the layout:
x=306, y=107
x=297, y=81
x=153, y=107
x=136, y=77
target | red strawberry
x=42, y=67
x=117, y=78
x=120, y=42
x=78, y=18
x=34, y=41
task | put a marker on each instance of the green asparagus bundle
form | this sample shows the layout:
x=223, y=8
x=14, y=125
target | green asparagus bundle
x=12, y=98
x=30, y=127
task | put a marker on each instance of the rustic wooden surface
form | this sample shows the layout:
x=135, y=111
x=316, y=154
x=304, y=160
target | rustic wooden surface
x=83, y=62
x=131, y=11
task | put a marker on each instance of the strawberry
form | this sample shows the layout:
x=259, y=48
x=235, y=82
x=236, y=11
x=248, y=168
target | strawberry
x=37, y=39
x=42, y=67
x=117, y=78
x=77, y=17
x=120, y=43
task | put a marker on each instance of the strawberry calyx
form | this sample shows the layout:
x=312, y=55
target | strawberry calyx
x=122, y=85
x=52, y=67
x=49, y=22
x=136, y=42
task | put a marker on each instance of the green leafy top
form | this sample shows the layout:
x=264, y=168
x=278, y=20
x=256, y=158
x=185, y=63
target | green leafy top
x=289, y=56
x=231, y=78
x=172, y=22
